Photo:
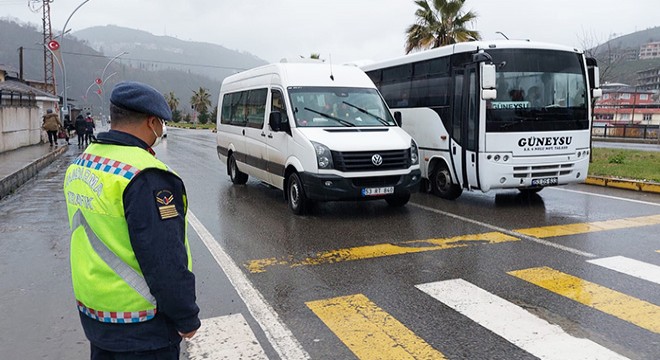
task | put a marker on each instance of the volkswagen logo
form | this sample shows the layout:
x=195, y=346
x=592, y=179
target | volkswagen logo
x=377, y=160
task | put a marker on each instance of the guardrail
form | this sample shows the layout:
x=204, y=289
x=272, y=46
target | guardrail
x=629, y=131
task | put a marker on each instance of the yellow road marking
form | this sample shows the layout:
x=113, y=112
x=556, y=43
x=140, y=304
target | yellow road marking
x=381, y=250
x=628, y=308
x=582, y=228
x=416, y=246
x=370, y=332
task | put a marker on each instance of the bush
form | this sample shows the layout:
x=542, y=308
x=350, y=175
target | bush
x=617, y=159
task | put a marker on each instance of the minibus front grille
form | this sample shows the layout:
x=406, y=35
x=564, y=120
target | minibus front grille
x=376, y=181
x=363, y=160
x=540, y=171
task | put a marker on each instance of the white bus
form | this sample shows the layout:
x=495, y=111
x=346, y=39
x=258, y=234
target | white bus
x=493, y=115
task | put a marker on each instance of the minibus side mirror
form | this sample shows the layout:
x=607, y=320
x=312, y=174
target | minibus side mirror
x=397, y=118
x=275, y=121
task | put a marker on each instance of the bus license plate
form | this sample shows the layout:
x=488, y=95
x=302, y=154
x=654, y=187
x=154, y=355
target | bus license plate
x=545, y=181
x=378, y=191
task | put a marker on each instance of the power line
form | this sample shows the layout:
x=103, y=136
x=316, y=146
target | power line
x=150, y=61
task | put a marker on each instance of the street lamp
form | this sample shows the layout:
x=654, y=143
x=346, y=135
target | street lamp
x=101, y=82
x=65, y=107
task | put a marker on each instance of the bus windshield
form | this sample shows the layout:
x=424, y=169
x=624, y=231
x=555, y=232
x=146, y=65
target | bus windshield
x=338, y=106
x=537, y=90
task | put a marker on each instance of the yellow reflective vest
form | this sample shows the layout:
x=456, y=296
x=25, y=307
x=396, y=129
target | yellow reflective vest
x=107, y=279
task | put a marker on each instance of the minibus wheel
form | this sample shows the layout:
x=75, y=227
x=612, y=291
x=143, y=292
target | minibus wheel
x=441, y=184
x=298, y=202
x=398, y=200
x=237, y=177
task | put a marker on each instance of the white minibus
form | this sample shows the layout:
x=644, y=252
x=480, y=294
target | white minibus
x=317, y=131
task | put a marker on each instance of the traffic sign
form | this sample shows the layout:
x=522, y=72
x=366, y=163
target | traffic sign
x=53, y=45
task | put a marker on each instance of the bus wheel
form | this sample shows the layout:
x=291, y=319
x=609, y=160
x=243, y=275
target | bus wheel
x=441, y=184
x=298, y=202
x=530, y=190
x=237, y=177
x=398, y=200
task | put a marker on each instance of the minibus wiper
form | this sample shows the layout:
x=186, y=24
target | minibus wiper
x=383, y=121
x=343, y=122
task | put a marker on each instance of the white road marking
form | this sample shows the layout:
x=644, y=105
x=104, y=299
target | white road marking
x=603, y=196
x=225, y=337
x=506, y=231
x=513, y=323
x=632, y=267
x=279, y=336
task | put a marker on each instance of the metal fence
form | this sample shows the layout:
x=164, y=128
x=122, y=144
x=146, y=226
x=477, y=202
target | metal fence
x=630, y=131
x=17, y=99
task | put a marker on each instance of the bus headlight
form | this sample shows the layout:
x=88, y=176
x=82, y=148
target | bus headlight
x=323, y=156
x=414, y=153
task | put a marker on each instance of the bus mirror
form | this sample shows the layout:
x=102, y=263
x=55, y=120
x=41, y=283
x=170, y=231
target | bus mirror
x=275, y=121
x=397, y=118
x=596, y=93
x=593, y=72
x=487, y=76
x=488, y=94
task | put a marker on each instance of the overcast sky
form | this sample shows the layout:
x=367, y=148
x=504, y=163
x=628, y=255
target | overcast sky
x=345, y=30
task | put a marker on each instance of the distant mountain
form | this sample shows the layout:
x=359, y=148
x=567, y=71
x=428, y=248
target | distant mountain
x=152, y=52
x=634, y=40
x=168, y=64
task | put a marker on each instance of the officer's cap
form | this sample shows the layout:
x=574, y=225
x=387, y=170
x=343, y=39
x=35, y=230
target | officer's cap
x=142, y=98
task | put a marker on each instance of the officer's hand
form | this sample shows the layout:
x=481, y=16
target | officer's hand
x=188, y=335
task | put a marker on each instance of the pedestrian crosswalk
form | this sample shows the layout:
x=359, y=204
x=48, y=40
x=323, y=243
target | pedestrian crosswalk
x=371, y=333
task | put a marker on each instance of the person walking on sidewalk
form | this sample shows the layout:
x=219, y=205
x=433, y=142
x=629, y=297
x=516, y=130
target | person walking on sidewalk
x=81, y=129
x=68, y=126
x=51, y=123
x=130, y=257
x=89, y=132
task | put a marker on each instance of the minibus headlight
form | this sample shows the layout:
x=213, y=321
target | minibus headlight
x=323, y=156
x=414, y=153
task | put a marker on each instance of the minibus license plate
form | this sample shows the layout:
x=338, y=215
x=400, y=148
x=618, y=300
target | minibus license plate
x=378, y=191
x=545, y=181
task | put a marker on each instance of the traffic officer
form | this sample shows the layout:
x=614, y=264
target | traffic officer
x=130, y=259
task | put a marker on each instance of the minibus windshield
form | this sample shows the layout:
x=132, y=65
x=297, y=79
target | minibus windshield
x=338, y=106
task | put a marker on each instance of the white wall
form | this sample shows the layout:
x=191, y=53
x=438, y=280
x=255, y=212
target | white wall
x=20, y=126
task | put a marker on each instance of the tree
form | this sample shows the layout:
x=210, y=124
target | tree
x=201, y=100
x=172, y=101
x=176, y=115
x=439, y=23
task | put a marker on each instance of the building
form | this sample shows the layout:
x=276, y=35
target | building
x=21, y=109
x=650, y=51
x=624, y=104
x=649, y=79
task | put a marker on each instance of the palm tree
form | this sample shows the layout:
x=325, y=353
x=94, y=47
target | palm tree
x=201, y=100
x=439, y=23
x=172, y=101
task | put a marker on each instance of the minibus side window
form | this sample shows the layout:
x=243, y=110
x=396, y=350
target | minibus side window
x=255, y=108
x=277, y=104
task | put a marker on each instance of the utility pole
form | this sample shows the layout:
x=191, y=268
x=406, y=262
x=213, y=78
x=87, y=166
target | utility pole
x=49, y=63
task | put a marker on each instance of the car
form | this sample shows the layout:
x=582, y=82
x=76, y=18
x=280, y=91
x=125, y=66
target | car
x=164, y=129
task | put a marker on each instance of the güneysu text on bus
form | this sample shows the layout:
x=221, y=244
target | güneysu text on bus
x=317, y=131
x=494, y=115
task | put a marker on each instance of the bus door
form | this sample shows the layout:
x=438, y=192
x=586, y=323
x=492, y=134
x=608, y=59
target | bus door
x=465, y=127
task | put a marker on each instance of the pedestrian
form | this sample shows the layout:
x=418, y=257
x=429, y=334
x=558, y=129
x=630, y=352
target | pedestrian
x=81, y=129
x=68, y=126
x=130, y=257
x=51, y=123
x=89, y=133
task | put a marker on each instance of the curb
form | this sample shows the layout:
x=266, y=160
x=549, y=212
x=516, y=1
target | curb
x=636, y=185
x=13, y=181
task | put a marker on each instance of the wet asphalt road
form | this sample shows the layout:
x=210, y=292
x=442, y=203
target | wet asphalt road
x=290, y=261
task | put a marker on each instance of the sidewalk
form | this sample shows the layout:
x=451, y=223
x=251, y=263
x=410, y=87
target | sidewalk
x=20, y=165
